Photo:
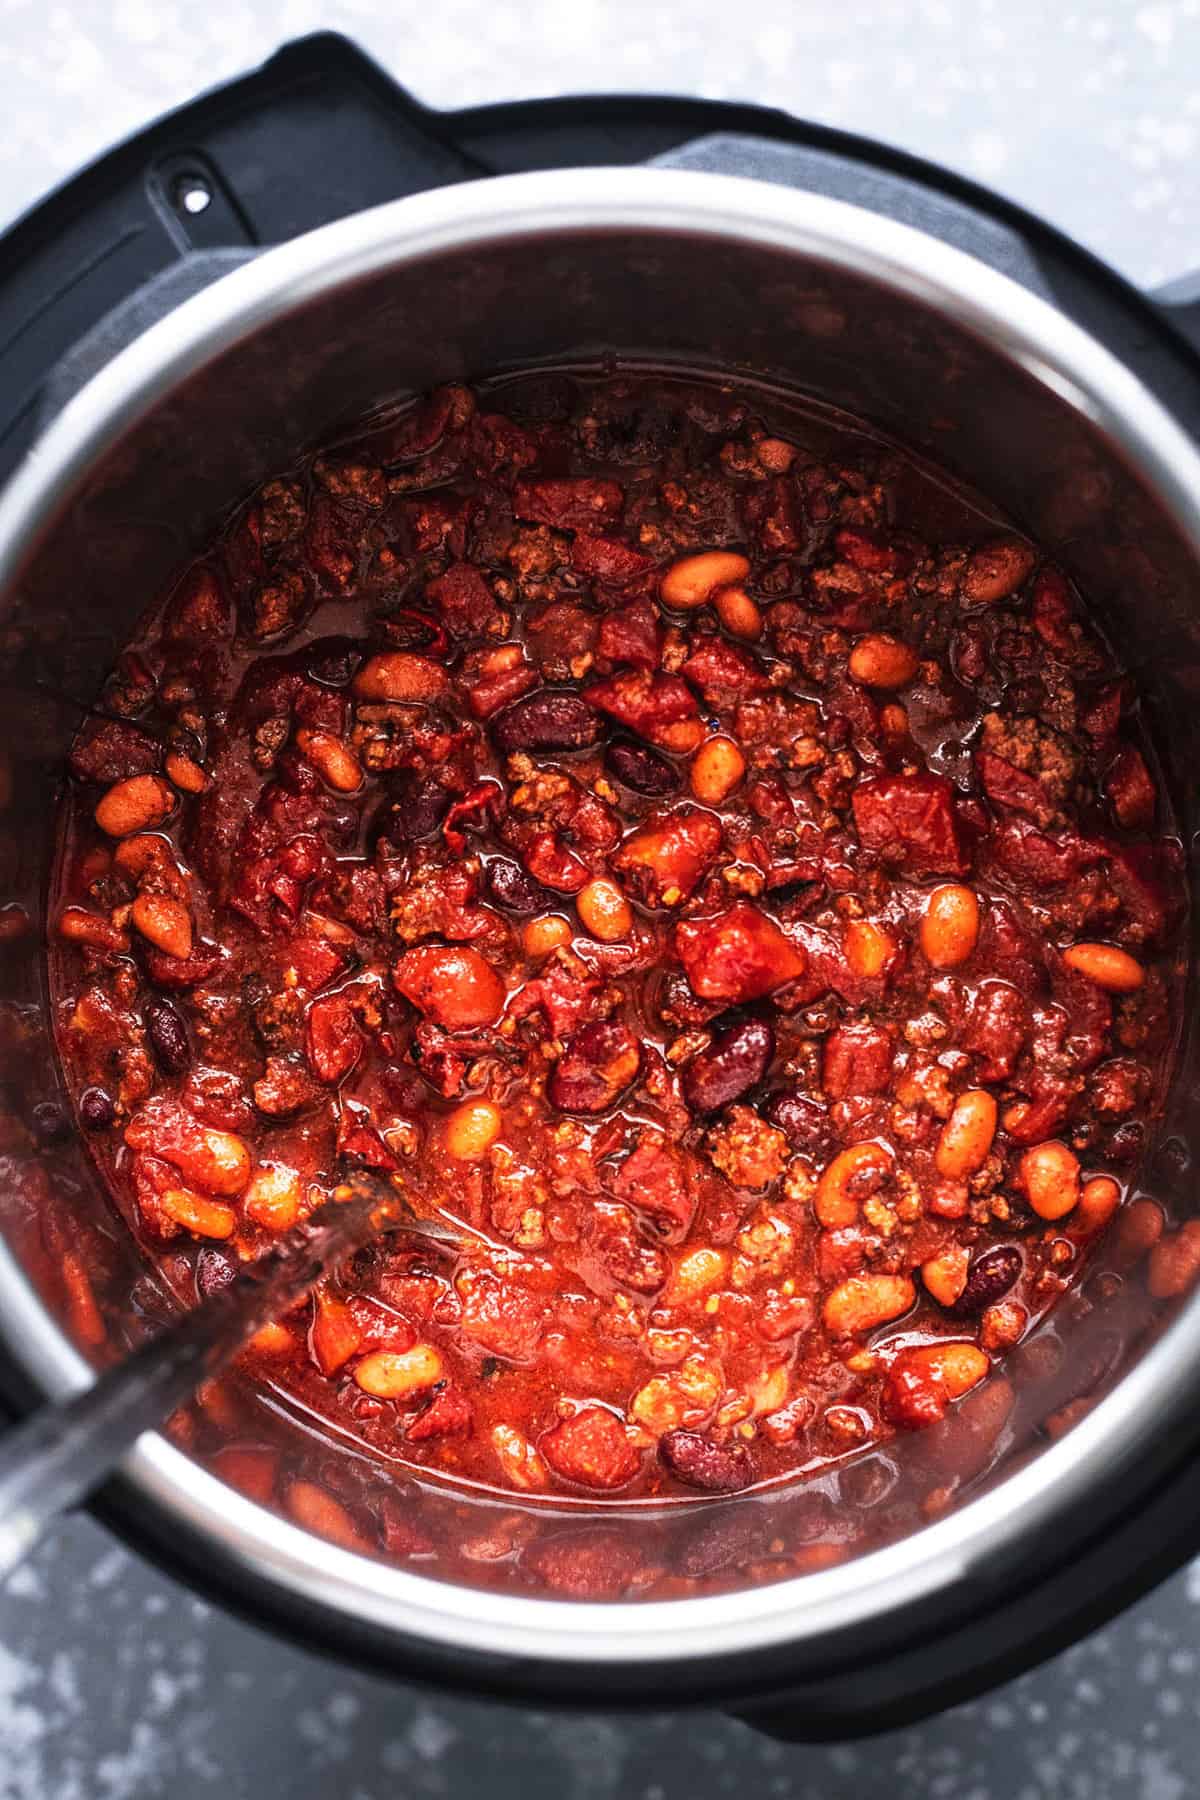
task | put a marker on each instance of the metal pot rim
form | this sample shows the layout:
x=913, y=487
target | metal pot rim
x=1049, y=1492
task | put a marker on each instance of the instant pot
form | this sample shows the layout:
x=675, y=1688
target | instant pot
x=156, y=361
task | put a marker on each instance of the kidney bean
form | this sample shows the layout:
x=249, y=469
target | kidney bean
x=599, y=1063
x=642, y=769
x=333, y=660
x=546, y=721
x=989, y=1277
x=215, y=1269
x=511, y=887
x=735, y=1061
x=412, y=810
x=97, y=1110
x=167, y=1034
x=697, y=1460
x=803, y=1120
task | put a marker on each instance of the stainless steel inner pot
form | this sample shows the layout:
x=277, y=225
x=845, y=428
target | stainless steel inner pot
x=709, y=272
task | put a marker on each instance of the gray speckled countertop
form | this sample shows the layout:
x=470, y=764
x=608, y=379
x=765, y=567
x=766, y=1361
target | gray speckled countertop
x=115, y=1684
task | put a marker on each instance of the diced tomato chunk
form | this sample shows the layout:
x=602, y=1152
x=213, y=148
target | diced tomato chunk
x=452, y=984
x=740, y=955
x=591, y=1448
x=910, y=820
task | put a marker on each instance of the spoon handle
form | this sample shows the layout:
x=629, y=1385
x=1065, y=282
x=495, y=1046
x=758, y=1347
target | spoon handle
x=61, y=1452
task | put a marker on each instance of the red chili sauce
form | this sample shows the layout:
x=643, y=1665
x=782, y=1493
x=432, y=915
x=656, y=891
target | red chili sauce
x=700, y=850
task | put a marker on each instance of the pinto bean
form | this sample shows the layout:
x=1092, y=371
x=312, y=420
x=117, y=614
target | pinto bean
x=869, y=948
x=204, y=1217
x=543, y=936
x=966, y=1138
x=696, y=1273
x=472, y=1129
x=945, y=1275
x=215, y=1162
x=165, y=922
x=950, y=925
x=865, y=1301
x=395, y=1374
x=140, y=803
x=604, y=911
x=735, y=1061
x=1049, y=1174
x=520, y=1463
x=1175, y=1262
x=849, y=1178
x=1138, y=1230
x=273, y=1197
x=738, y=613
x=1098, y=1200
x=994, y=570
x=317, y=1511
x=882, y=661
x=333, y=760
x=956, y=1366
x=694, y=579
x=1110, y=968
x=78, y=926
x=187, y=774
x=717, y=769
x=401, y=675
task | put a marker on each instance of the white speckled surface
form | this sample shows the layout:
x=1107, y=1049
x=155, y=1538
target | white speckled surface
x=116, y=1685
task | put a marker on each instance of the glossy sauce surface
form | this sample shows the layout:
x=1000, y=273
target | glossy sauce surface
x=686, y=841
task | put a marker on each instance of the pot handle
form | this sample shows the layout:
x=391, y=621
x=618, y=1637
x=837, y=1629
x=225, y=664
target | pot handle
x=1179, y=303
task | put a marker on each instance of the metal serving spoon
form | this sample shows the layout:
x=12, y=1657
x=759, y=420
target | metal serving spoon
x=58, y=1455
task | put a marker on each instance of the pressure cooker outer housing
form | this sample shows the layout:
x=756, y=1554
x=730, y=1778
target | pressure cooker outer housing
x=704, y=272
